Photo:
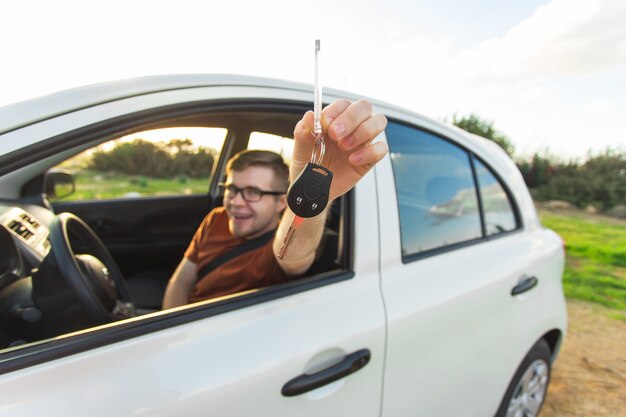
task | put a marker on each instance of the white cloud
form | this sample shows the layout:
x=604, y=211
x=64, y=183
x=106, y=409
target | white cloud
x=538, y=83
x=564, y=37
x=601, y=106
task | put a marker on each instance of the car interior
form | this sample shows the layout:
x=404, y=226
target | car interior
x=68, y=265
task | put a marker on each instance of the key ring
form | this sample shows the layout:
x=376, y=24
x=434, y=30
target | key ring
x=319, y=142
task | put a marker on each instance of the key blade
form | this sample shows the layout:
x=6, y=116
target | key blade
x=296, y=221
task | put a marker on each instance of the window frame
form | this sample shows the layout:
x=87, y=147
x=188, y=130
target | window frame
x=45, y=350
x=409, y=258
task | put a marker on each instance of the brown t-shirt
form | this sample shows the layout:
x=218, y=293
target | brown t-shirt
x=254, y=269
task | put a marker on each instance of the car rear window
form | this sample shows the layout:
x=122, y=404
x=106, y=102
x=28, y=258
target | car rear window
x=497, y=207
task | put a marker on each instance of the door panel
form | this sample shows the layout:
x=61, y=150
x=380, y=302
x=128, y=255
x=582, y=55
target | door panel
x=233, y=364
x=454, y=329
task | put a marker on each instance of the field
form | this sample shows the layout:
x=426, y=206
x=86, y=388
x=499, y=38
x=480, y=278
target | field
x=91, y=185
x=595, y=270
x=589, y=377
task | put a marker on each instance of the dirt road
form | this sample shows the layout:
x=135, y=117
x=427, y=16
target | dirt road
x=589, y=377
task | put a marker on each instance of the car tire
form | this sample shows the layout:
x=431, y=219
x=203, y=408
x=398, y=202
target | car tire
x=528, y=388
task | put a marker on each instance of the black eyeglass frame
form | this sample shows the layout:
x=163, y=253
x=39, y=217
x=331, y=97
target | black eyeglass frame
x=233, y=190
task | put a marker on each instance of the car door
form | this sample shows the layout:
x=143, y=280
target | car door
x=231, y=356
x=455, y=332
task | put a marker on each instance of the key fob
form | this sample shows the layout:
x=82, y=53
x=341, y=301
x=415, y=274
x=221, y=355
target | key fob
x=308, y=195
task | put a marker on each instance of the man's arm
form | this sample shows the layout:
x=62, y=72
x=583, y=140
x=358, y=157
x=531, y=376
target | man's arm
x=301, y=253
x=349, y=129
x=180, y=285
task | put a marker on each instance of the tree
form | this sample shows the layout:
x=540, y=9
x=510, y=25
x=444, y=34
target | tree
x=538, y=170
x=477, y=126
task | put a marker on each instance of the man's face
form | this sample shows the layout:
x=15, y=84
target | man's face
x=252, y=219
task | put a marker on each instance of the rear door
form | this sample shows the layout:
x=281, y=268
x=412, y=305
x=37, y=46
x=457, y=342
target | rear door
x=456, y=334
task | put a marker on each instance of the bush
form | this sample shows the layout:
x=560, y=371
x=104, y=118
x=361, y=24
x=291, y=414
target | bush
x=538, y=171
x=161, y=160
x=600, y=181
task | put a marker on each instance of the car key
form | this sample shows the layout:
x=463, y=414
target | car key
x=309, y=193
x=307, y=197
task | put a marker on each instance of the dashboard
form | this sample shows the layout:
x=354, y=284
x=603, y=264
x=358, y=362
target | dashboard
x=27, y=228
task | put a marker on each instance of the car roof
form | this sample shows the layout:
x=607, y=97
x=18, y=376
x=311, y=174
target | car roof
x=17, y=115
x=22, y=114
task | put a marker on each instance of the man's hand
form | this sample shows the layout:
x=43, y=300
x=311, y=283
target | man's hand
x=349, y=129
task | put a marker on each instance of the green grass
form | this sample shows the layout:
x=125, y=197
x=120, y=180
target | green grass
x=595, y=268
x=97, y=186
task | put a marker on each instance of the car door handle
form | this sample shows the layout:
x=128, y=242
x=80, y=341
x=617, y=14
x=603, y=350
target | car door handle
x=307, y=382
x=524, y=284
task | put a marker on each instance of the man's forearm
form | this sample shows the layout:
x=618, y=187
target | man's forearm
x=175, y=296
x=179, y=286
x=301, y=251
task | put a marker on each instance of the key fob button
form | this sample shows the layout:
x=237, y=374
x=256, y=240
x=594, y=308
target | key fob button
x=316, y=206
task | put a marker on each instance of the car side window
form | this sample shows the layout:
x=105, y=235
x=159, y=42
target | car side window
x=437, y=200
x=497, y=208
x=158, y=162
x=269, y=142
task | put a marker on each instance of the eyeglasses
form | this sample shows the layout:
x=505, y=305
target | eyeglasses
x=249, y=194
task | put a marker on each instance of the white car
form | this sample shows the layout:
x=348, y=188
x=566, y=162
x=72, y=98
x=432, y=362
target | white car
x=436, y=291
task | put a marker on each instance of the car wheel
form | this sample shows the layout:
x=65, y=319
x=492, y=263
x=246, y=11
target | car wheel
x=527, y=390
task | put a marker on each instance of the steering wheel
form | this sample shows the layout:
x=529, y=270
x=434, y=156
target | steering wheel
x=93, y=276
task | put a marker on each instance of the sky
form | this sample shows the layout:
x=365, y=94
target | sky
x=549, y=74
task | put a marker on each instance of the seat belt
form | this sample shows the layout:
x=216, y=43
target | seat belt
x=247, y=246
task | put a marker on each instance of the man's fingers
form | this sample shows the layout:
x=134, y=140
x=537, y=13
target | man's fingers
x=349, y=120
x=369, y=154
x=332, y=111
x=304, y=140
x=364, y=133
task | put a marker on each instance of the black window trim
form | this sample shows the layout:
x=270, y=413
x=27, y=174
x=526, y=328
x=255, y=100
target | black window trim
x=408, y=258
x=479, y=198
x=14, y=359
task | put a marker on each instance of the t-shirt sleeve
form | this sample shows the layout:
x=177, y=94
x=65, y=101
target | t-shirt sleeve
x=196, y=242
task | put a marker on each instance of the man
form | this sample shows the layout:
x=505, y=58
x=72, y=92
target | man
x=255, y=198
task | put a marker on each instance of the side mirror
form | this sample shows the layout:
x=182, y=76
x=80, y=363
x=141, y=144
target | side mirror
x=58, y=184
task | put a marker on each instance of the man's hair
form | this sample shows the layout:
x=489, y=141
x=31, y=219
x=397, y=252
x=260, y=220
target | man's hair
x=258, y=158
